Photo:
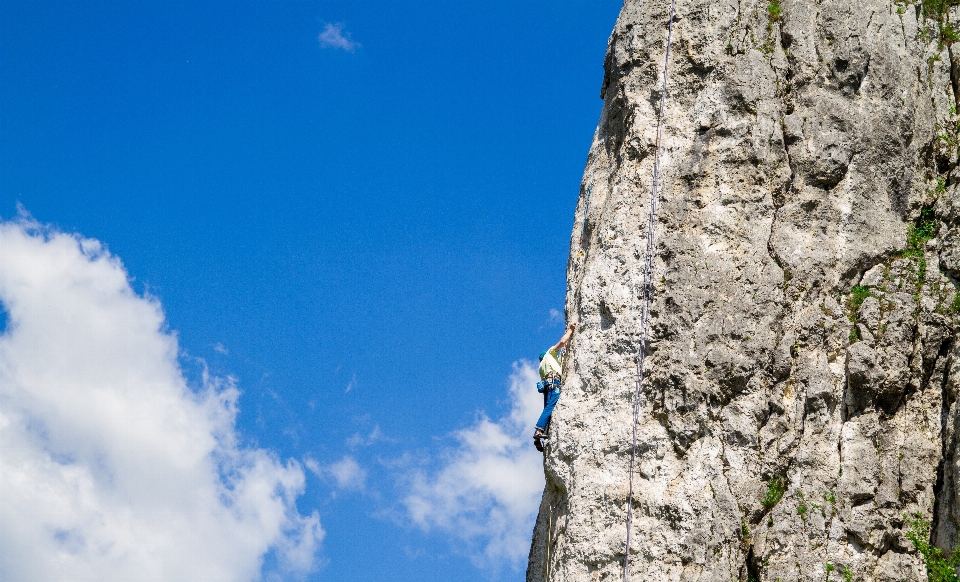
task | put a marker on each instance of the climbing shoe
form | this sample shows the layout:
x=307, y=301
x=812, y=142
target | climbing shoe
x=538, y=437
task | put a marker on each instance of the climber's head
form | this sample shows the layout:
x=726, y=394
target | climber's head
x=543, y=353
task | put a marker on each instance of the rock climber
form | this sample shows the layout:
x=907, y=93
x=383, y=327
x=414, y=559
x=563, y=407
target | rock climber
x=550, y=382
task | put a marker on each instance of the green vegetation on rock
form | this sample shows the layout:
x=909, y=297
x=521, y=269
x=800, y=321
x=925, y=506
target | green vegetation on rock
x=774, y=11
x=775, y=489
x=940, y=568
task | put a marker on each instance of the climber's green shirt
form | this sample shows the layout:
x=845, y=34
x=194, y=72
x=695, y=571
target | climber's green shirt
x=550, y=364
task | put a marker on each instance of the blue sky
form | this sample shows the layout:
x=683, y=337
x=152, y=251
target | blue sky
x=366, y=230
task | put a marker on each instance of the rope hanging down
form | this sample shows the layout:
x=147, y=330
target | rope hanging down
x=647, y=291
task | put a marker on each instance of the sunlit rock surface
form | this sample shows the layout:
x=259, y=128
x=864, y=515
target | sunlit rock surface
x=804, y=327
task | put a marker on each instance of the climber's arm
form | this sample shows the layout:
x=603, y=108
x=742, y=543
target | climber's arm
x=565, y=339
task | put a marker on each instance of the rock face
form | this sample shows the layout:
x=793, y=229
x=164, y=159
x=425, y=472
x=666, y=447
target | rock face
x=804, y=363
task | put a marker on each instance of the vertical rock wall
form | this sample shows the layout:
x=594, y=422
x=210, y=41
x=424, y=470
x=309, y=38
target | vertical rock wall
x=804, y=324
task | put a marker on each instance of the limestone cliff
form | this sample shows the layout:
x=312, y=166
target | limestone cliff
x=804, y=328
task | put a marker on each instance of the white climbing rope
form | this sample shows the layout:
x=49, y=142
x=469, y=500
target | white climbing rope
x=647, y=291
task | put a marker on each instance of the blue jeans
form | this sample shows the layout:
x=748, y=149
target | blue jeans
x=550, y=399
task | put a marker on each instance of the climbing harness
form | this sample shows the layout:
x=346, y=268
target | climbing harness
x=548, y=384
x=647, y=291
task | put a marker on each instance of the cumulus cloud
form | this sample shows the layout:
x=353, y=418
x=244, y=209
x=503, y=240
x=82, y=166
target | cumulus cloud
x=346, y=473
x=334, y=37
x=111, y=466
x=486, y=491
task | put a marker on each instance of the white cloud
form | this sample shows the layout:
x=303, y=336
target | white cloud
x=334, y=37
x=346, y=473
x=555, y=316
x=375, y=436
x=221, y=349
x=111, y=467
x=487, y=491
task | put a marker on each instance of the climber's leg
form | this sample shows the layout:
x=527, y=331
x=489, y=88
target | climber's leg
x=550, y=402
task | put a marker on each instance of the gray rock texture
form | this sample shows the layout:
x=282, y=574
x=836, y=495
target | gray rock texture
x=804, y=325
